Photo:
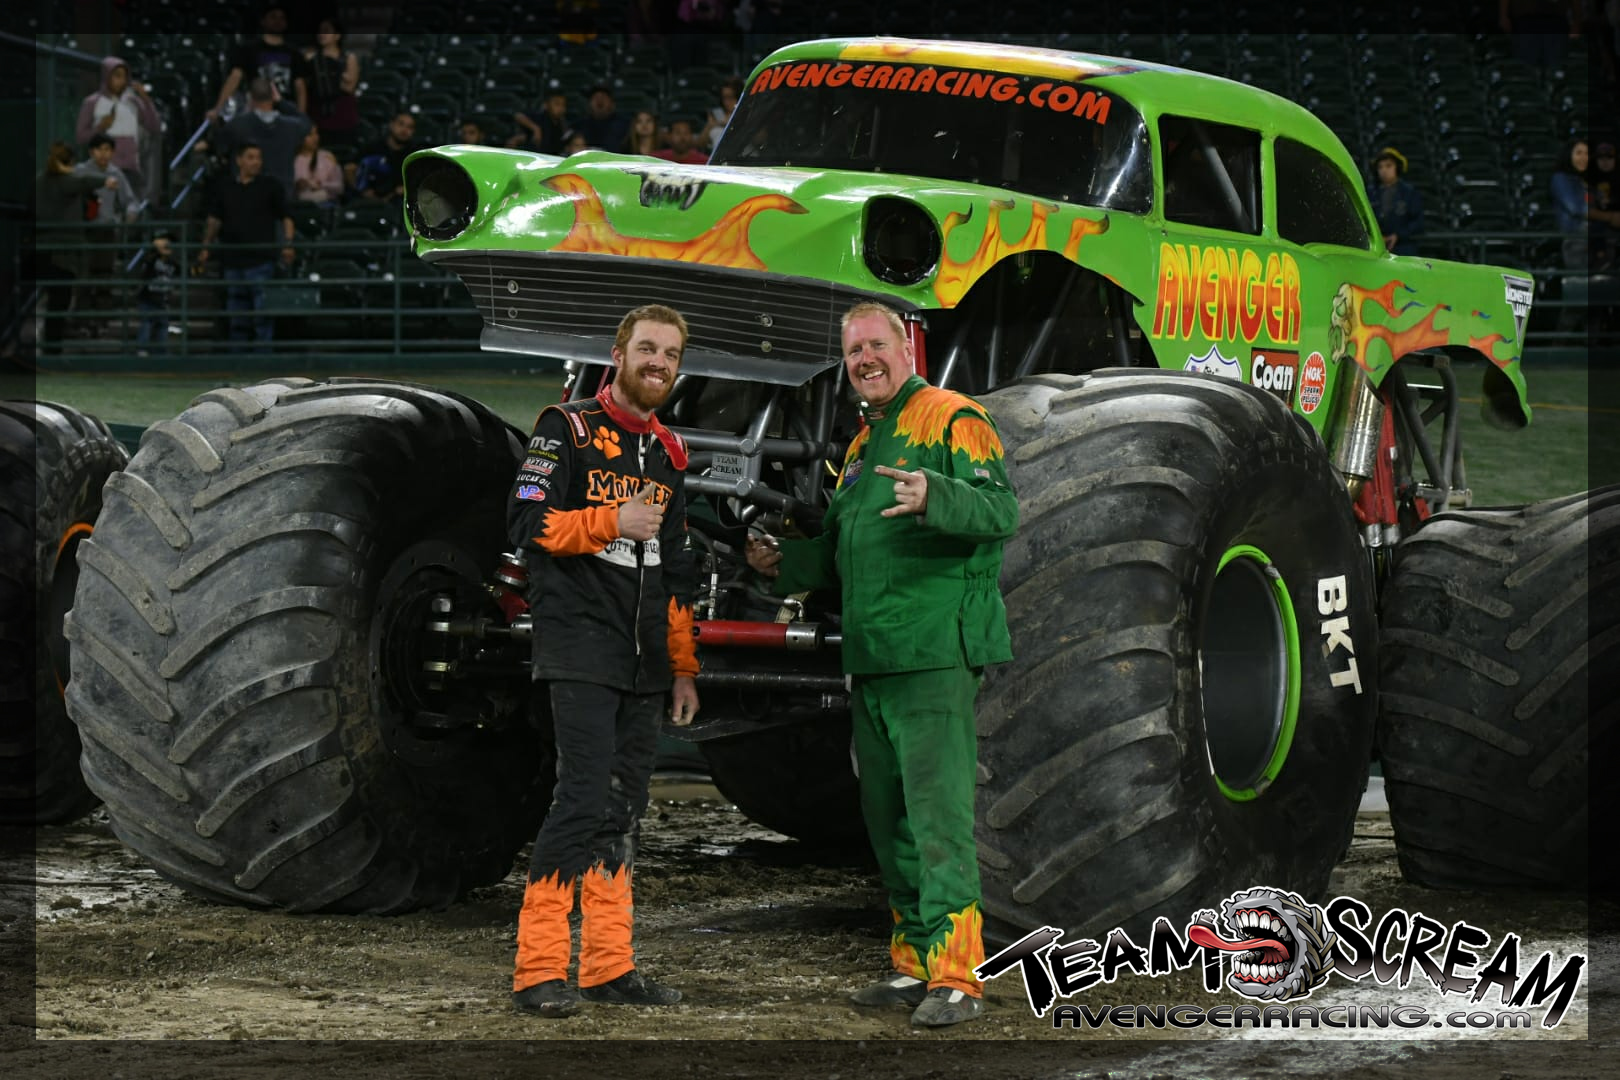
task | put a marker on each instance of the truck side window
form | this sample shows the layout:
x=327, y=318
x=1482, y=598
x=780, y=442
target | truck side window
x=1316, y=203
x=1211, y=174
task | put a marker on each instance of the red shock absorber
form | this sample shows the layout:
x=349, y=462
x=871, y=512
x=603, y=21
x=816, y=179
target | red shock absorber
x=1376, y=502
x=511, y=586
x=916, y=337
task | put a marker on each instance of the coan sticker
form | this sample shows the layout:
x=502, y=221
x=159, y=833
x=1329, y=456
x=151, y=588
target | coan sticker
x=1213, y=363
x=1225, y=295
x=1312, y=382
x=531, y=492
x=1275, y=372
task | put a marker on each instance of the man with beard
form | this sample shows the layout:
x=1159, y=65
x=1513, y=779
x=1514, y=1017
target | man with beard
x=599, y=510
x=922, y=616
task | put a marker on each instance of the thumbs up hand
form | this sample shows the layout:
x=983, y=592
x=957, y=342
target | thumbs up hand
x=641, y=518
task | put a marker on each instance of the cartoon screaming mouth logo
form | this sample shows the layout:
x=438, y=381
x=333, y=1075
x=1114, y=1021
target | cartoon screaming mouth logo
x=1281, y=945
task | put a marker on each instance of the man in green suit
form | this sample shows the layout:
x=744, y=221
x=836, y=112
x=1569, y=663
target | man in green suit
x=913, y=537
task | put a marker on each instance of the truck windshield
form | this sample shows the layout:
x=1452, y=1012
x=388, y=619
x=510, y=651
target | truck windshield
x=1058, y=140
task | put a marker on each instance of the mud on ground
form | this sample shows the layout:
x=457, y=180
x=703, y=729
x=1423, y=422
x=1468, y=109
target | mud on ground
x=765, y=938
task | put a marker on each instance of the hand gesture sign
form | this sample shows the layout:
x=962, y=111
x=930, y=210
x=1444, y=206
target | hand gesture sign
x=641, y=518
x=910, y=491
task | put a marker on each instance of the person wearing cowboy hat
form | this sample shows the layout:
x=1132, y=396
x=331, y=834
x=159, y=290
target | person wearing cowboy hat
x=1396, y=203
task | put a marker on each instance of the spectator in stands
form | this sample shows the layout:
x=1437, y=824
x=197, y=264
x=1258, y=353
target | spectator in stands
x=275, y=126
x=1541, y=30
x=549, y=134
x=604, y=127
x=720, y=115
x=317, y=176
x=1572, y=201
x=576, y=144
x=268, y=56
x=61, y=194
x=380, y=174
x=160, y=271
x=472, y=133
x=1600, y=180
x=1396, y=203
x=123, y=111
x=643, y=135
x=114, y=201
x=334, y=74
x=682, y=148
x=246, y=213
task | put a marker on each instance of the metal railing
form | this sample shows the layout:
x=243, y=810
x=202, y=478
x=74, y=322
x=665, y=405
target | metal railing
x=353, y=302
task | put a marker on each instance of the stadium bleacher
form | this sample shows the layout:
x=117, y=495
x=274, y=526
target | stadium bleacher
x=1483, y=133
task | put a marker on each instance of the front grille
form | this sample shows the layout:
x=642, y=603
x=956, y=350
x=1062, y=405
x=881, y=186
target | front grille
x=761, y=319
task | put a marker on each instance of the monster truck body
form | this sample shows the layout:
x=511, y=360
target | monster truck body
x=1214, y=388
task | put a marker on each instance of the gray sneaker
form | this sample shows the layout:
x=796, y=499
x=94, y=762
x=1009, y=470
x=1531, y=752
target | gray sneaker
x=898, y=989
x=944, y=1007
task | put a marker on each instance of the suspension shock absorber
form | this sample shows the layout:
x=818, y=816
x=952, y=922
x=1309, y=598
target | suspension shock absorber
x=1364, y=439
x=510, y=587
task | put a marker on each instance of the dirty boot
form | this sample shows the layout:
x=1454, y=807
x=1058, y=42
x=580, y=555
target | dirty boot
x=898, y=989
x=631, y=988
x=944, y=1006
x=552, y=998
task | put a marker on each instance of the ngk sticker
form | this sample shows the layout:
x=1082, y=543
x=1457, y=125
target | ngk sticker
x=1332, y=597
x=1312, y=382
x=1275, y=372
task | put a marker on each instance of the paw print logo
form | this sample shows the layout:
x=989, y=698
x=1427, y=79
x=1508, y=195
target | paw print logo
x=607, y=441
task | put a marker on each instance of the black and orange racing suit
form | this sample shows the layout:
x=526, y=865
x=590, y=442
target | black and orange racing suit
x=612, y=626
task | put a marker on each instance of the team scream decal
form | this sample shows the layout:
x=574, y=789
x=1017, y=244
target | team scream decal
x=1044, y=63
x=1225, y=294
x=1352, y=335
x=956, y=276
x=725, y=243
x=948, y=82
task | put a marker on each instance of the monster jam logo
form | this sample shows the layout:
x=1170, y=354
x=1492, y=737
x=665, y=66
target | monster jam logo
x=1519, y=293
x=1275, y=948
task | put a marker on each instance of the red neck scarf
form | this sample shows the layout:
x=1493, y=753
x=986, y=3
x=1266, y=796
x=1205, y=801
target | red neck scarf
x=637, y=426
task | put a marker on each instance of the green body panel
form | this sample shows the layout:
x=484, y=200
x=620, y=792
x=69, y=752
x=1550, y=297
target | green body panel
x=1218, y=300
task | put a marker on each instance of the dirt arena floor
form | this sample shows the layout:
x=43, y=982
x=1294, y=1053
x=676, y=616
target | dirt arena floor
x=765, y=938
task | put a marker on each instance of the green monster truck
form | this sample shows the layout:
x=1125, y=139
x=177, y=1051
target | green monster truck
x=299, y=656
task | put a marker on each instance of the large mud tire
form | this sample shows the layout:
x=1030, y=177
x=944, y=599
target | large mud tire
x=230, y=682
x=797, y=779
x=54, y=460
x=1139, y=662
x=1500, y=684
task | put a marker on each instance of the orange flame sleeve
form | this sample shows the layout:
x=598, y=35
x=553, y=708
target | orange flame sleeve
x=682, y=645
x=580, y=532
